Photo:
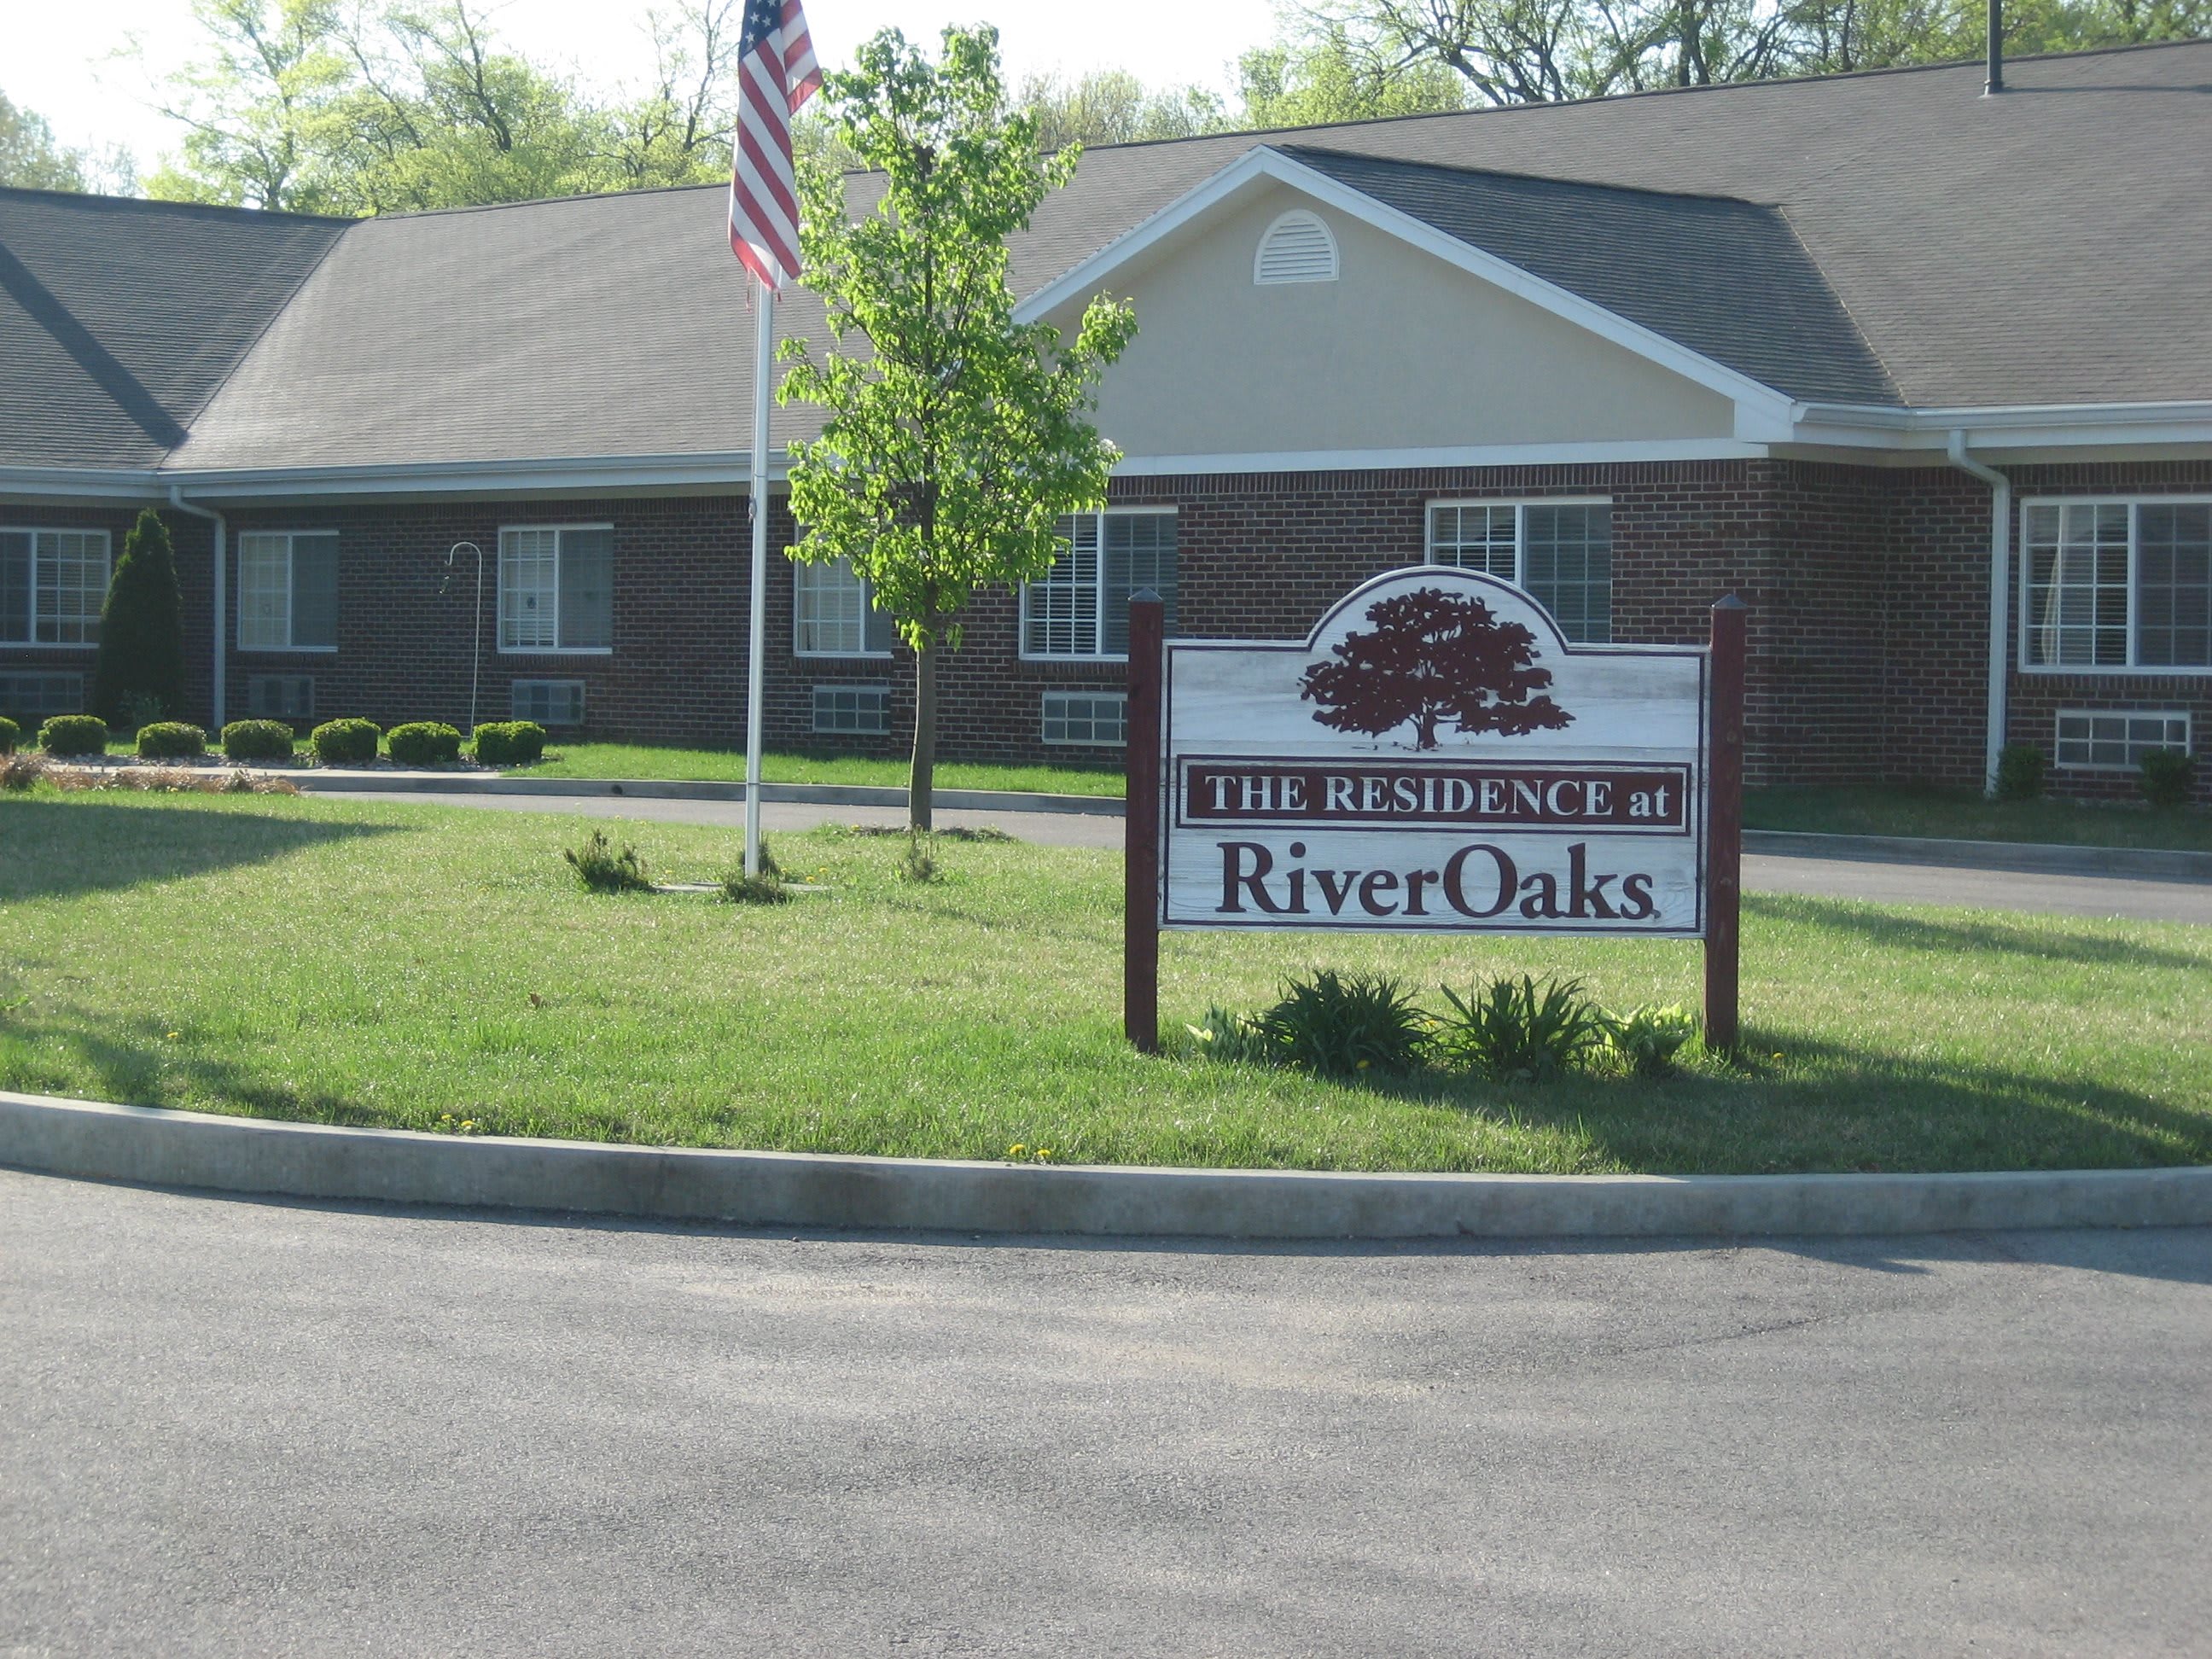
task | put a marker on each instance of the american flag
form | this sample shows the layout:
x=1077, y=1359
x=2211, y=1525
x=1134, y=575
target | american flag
x=777, y=73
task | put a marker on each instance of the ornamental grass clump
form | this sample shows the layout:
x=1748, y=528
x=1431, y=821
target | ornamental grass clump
x=256, y=740
x=604, y=870
x=1339, y=1025
x=918, y=864
x=73, y=734
x=766, y=888
x=10, y=734
x=1520, y=1029
x=22, y=772
x=171, y=740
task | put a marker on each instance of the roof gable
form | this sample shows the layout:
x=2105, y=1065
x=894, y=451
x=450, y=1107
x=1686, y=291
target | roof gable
x=119, y=318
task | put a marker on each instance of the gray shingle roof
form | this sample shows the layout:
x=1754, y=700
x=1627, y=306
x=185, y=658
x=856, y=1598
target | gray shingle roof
x=119, y=318
x=1874, y=238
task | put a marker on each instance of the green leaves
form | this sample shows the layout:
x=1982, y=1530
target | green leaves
x=956, y=436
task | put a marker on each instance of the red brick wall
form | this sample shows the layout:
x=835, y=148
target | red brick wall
x=1933, y=685
x=1867, y=586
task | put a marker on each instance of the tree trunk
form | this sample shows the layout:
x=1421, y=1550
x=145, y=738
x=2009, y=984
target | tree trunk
x=921, y=779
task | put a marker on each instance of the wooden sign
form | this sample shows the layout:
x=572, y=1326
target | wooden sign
x=1434, y=757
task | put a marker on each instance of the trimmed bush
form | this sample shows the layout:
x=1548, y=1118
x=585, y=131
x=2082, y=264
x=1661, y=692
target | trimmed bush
x=139, y=673
x=423, y=743
x=10, y=734
x=510, y=742
x=73, y=734
x=2166, y=776
x=170, y=740
x=258, y=740
x=344, y=742
x=2021, y=767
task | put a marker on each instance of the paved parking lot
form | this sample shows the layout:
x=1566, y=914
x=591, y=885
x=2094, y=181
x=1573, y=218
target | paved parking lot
x=239, y=1427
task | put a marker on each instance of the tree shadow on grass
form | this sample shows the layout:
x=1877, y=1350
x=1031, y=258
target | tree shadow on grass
x=51, y=847
x=2028, y=937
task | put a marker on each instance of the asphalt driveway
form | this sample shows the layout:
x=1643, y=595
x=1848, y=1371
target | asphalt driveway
x=237, y=1427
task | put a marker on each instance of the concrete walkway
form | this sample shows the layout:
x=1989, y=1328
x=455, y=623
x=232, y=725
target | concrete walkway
x=1885, y=883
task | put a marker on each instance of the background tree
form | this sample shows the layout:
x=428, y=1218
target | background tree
x=253, y=106
x=1431, y=657
x=30, y=159
x=1113, y=106
x=140, y=666
x=956, y=437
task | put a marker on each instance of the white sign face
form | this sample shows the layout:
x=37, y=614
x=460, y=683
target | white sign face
x=1435, y=757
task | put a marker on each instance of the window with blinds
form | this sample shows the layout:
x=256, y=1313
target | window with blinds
x=1560, y=553
x=2122, y=584
x=1080, y=608
x=556, y=587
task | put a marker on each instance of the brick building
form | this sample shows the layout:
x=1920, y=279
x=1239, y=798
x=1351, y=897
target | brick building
x=1925, y=375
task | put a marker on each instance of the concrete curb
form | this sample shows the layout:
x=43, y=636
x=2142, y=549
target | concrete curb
x=88, y=1139
x=320, y=781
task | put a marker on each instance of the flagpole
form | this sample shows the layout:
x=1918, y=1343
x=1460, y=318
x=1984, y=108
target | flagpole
x=763, y=370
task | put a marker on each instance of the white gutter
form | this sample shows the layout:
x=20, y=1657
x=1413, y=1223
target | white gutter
x=2000, y=599
x=222, y=602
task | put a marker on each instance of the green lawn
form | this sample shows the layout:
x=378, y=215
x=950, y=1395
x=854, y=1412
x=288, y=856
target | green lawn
x=387, y=963
x=1966, y=815
x=621, y=760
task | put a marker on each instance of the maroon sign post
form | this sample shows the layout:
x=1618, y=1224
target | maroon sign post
x=1724, y=823
x=1141, y=862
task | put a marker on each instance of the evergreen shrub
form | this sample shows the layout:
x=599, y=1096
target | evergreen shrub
x=424, y=743
x=510, y=742
x=73, y=734
x=170, y=740
x=344, y=742
x=139, y=673
x=2166, y=776
x=258, y=740
x=2021, y=767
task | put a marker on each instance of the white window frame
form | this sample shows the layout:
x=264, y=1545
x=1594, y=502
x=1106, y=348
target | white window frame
x=2025, y=583
x=34, y=643
x=805, y=569
x=291, y=554
x=499, y=616
x=583, y=700
x=1520, y=505
x=1098, y=608
x=2168, y=715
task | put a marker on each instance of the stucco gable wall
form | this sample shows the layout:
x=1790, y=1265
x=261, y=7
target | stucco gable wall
x=1401, y=351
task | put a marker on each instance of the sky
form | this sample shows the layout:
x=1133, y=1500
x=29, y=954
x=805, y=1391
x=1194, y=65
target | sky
x=63, y=58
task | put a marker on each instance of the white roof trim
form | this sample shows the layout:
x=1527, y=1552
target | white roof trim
x=1763, y=413
x=1376, y=460
x=2014, y=426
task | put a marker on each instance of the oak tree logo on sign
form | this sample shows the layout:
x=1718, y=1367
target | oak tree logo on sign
x=1433, y=657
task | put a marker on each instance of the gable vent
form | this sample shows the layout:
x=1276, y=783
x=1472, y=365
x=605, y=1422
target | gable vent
x=1297, y=248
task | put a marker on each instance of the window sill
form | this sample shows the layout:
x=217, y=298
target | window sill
x=556, y=651
x=48, y=645
x=1075, y=661
x=841, y=656
x=2084, y=671
x=286, y=650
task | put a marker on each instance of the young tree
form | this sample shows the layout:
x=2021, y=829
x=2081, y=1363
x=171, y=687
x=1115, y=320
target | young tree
x=141, y=664
x=956, y=437
x=1434, y=656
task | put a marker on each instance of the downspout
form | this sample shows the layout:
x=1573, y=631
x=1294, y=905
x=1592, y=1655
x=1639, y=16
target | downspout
x=222, y=602
x=2000, y=599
